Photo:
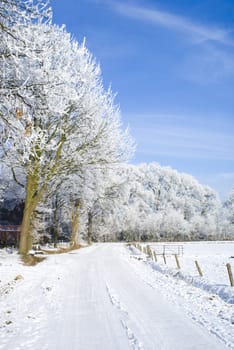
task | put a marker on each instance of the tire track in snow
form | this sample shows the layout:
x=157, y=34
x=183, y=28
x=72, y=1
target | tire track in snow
x=124, y=319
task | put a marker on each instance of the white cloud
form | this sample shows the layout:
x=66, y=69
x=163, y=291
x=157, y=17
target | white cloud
x=210, y=60
x=174, y=22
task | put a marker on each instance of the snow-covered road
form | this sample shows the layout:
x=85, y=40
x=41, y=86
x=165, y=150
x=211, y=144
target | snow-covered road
x=93, y=299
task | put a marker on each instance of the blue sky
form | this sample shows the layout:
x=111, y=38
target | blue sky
x=171, y=63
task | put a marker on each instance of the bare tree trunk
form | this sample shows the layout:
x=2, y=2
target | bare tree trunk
x=75, y=222
x=33, y=197
x=55, y=224
x=90, y=227
x=25, y=243
x=55, y=229
x=34, y=193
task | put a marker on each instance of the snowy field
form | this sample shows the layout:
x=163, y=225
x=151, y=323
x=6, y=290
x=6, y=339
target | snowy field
x=212, y=258
x=109, y=296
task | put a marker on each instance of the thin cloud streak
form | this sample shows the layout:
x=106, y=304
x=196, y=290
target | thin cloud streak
x=208, y=65
x=182, y=147
x=175, y=22
x=172, y=138
x=185, y=153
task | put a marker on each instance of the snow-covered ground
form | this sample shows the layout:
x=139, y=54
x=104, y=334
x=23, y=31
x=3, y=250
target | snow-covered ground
x=211, y=256
x=109, y=296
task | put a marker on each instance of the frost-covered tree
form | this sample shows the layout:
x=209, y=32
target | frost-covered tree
x=68, y=206
x=157, y=202
x=229, y=205
x=24, y=12
x=226, y=220
x=15, y=16
x=86, y=195
x=106, y=191
x=8, y=188
x=57, y=117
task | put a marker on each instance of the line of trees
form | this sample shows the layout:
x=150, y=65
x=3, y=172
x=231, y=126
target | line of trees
x=159, y=203
x=129, y=202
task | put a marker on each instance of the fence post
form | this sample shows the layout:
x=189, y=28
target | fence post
x=150, y=254
x=198, y=268
x=164, y=258
x=148, y=250
x=155, y=256
x=177, y=261
x=230, y=274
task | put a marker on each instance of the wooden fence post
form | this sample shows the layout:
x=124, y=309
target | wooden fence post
x=150, y=254
x=164, y=258
x=155, y=256
x=148, y=250
x=230, y=274
x=177, y=261
x=198, y=268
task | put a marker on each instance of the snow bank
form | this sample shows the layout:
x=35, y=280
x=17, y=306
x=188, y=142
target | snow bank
x=225, y=292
